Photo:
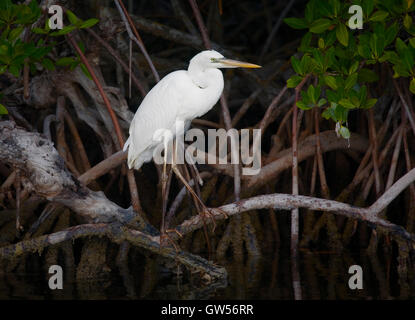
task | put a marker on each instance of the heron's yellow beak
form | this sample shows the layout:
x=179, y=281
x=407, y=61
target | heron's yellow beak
x=236, y=63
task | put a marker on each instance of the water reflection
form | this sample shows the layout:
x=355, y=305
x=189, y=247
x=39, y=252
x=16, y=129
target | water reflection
x=323, y=275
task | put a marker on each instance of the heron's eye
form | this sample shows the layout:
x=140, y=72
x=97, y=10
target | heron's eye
x=213, y=60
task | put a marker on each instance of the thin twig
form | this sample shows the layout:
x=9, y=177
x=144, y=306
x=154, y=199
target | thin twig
x=202, y=27
x=295, y=211
x=273, y=104
x=245, y=106
x=373, y=140
x=405, y=104
x=180, y=12
x=100, y=89
x=135, y=37
x=116, y=56
x=78, y=140
x=275, y=29
x=394, y=161
x=17, y=184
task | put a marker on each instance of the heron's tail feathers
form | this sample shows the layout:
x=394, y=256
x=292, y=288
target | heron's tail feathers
x=135, y=158
x=134, y=163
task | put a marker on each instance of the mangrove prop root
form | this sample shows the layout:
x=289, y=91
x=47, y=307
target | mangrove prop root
x=44, y=168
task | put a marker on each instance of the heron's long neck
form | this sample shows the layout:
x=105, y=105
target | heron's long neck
x=205, y=78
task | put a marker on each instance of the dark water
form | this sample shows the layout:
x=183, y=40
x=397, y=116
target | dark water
x=323, y=275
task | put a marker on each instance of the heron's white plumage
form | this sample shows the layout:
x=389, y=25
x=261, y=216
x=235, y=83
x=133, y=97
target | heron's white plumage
x=179, y=97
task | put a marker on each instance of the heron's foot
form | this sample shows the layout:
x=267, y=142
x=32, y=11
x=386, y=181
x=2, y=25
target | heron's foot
x=165, y=240
x=210, y=213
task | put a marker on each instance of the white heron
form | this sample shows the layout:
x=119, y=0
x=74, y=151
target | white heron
x=178, y=98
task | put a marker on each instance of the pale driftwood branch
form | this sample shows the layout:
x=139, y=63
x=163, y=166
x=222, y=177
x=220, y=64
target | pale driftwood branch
x=46, y=171
x=392, y=193
x=289, y=202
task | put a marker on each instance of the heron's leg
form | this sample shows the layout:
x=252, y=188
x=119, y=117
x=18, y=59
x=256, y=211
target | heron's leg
x=165, y=187
x=164, y=233
x=193, y=166
x=166, y=179
x=196, y=176
x=205, y=210
x=163, y=190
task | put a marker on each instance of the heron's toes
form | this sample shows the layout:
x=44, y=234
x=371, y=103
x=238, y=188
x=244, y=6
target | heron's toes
x=165, y=239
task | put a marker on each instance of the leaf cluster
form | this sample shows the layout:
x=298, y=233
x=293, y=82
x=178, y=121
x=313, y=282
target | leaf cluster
x=344, y=61
x=21, y=44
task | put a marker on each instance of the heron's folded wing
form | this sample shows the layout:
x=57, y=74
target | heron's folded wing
x=157, y=111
